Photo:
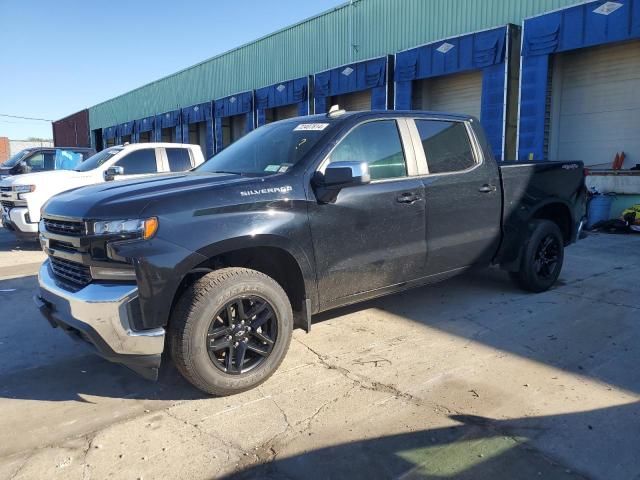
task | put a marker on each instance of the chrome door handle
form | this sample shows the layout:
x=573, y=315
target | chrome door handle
x=486, y=188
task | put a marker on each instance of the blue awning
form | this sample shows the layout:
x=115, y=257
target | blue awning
x=197, y=113
x=284, y=93
x=234, y=105
x=109, y=133
x=125, y=129
x=580, y=26
x=144, y=125
x=355, y=77
x=168, y=119
x=467, y=52
x=292, y=92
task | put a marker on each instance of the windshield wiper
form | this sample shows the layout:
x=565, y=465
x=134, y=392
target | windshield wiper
x=229, y=172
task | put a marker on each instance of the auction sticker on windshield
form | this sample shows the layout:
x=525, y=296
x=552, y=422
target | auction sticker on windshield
x=311, y=126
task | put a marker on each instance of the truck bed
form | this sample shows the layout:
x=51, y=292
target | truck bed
x=533, y=185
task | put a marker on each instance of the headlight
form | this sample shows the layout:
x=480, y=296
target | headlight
x=145, y=228
x=24, y=188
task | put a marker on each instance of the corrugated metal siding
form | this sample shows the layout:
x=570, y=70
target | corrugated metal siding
x=377, y=27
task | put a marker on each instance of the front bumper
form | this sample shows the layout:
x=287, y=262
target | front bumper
x=17, y=220
x=100, y=314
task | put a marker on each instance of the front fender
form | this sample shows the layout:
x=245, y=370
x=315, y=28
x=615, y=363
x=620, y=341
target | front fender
x=160, y=267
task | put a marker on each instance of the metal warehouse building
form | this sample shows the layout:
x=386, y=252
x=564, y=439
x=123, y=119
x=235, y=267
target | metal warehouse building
x=547, y=78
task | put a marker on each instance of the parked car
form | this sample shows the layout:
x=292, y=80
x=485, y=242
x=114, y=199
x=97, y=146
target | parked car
x=41, y=159
x=23, y=196
x=298, y=217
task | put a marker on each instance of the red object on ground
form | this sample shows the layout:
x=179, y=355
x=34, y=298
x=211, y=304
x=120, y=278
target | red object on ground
x=618, y=161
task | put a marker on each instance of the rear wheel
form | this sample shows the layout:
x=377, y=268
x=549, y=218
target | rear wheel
x=230, y=330
x=542, y=257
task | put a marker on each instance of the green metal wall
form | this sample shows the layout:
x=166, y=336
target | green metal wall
x=372, y=27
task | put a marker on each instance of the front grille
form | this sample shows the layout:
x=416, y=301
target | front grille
x=5, y=189
x=60, y=245
x=65, y=227
x=72, y=272
x=7, y=204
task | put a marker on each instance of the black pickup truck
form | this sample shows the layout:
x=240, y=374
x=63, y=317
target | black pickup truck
x=298, y=217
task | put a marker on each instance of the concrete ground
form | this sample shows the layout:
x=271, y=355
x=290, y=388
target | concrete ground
x=467, y=379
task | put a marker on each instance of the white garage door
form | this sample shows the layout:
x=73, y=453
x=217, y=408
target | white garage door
x=595, y=105
x=352, y=101
x=458, y=93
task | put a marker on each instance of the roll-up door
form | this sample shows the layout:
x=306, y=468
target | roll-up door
x=457, y=93
x=595, y=104
x=353, y=101
x=280, y=113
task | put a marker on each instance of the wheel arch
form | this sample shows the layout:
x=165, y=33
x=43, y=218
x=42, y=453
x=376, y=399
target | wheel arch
x=558, y=212
x=269, y=254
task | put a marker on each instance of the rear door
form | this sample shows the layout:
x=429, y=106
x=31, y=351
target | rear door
x=372, y=236
x=463, y=196
x=178, y=159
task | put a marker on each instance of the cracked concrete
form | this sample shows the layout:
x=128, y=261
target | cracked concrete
x=468, y=379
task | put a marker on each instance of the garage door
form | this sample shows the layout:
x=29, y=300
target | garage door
x=458, y=93
x=595, y=105
x=280, y=113
x=353, y=101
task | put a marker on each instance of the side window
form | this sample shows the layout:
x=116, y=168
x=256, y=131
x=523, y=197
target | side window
x=446, y=145
x=377, y=143
x=36, y=161
x=139, y=162
x=49, y=160
x=179, y=159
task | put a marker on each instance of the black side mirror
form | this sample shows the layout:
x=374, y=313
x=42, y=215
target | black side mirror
x=338, y=175
x=112, y=172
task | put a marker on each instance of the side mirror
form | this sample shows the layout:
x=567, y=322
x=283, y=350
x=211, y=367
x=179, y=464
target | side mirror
x=112, y=172
x=337, y=176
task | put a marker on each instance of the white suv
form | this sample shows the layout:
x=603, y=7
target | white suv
x=22, y=196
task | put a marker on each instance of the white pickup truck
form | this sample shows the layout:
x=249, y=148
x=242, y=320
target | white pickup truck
x=22, y=196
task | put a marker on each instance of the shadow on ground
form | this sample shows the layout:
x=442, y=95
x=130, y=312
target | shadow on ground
x=477, y=448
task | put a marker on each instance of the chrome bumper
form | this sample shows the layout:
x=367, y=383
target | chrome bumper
x=99, y=313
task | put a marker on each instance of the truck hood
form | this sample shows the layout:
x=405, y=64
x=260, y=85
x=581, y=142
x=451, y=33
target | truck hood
x=53, y=177
x=129, y=198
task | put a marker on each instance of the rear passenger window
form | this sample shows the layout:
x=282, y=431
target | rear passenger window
x=179, y=159
x=446, y=145
x=378, y=144
x=139, y=162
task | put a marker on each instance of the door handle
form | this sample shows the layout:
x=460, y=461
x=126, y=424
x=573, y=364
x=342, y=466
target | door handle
x=486, y=188
x=408, y=197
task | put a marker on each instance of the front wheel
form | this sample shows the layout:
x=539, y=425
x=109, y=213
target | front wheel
x=542, y=257
x=230, y=330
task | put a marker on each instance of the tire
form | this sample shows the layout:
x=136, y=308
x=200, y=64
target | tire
x=204, y=356
x=542, y=257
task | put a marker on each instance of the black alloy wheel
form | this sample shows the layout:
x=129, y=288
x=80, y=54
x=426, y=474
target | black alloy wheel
x=242, y=334
x=547, y=257
x=542, y=257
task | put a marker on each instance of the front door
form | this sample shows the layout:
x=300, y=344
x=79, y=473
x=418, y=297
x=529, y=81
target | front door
x=139, y=163
x=372, y=236
x=463, y=198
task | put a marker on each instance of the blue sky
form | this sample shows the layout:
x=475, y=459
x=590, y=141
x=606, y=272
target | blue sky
x=58, y=57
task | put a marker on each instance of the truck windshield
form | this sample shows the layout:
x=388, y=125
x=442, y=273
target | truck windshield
x=17, y=158
x=270, y=149
x=98, y=159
